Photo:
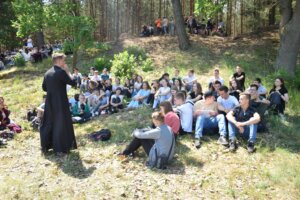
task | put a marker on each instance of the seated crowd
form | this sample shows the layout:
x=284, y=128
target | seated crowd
x=181, y=107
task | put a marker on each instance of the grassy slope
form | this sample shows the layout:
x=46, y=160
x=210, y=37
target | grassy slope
x=95, y=172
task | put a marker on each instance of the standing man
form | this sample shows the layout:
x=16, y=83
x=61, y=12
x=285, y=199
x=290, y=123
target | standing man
x=57, y=131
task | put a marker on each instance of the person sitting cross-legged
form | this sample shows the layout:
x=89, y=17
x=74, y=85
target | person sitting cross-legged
x=206, y=112
x=81, y=109
x=243, y=119
x=156, y=142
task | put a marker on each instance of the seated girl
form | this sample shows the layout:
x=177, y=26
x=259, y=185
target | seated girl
x=108, y=87
x=279, y=97
x=178, y=83
x=81, y=109
x=141, y=97
x=4, y=115
x=117, y=85
x=170, y=117
x=116, y=101
x=154, y=89
x=127, y=89
x=157, y=143
x=196, y=93
x=174, y=90
x=163, y=94
x=102, y=105
x=137, y=85
x=234, y=90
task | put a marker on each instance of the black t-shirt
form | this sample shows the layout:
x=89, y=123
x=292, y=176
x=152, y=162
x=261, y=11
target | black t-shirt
x=240, y=83
x=241, y=116
x=282, y=91
x=193, y=95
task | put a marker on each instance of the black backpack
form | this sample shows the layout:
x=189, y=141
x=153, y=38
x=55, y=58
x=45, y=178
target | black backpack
x=31, y=114
x=102, y=135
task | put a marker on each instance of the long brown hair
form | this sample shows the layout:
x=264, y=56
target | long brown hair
x=167, y=106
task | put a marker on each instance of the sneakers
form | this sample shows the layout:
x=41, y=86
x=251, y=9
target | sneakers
x=250, y=147
x=197, y=143
x=232, y=145
x=222, y=140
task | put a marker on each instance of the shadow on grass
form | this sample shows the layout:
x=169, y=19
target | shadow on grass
x=71, y=165
x=281, y=134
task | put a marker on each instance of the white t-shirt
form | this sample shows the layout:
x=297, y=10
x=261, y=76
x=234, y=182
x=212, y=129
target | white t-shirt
x=164, y=91
x=96, y=78
x=190, y=79
x=213, y=79
x=229, y=103
x=262, y=90
x=186, y=115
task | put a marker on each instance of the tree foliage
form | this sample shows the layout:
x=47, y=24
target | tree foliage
x=209, y=8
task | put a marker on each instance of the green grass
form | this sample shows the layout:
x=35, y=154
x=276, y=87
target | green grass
x=94, y=170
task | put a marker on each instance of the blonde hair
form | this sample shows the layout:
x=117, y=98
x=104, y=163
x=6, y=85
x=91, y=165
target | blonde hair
x=158, y=116
x=57, y=56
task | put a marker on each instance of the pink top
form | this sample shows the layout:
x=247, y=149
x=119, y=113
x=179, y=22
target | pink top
x=172, y=120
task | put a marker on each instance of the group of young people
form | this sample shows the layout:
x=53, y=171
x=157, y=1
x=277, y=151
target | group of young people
x=180, y=107
x=184, y=108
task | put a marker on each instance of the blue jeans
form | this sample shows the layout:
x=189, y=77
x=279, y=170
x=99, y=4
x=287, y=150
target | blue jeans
x=249, y=132
x=210, y=122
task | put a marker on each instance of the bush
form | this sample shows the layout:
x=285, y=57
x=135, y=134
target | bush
x=101, y=63
x=103, y=46
x=137, y=52
x=92, y=52
x=147, y=65
x=19, y=60
x=124, y=65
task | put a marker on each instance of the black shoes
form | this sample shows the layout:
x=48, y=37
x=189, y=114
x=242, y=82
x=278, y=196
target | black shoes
x=232, y=145
x=197, y=143
x=250, y=147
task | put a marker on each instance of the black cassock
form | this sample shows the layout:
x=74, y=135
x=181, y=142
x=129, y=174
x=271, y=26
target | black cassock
x=57, y=131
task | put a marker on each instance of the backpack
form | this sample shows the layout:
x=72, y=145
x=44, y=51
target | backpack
x=102, y=135
x=31, y=114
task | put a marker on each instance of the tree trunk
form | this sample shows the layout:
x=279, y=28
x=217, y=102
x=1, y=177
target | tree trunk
x=159, y=8
x=289, y=37
x=272, y=13
x=183, y=40
x=229, y=17
x=242, y=16
x=192, y=7
x=40, y=39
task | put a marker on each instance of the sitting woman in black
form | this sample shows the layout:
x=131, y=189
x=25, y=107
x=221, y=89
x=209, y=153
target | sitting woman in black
x=279, y=96
x=196, y=94
x=234, y=90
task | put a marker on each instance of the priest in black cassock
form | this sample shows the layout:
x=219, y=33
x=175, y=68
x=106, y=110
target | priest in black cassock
x=57, y=131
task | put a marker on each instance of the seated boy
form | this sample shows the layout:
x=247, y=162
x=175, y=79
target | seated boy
x=243, y=119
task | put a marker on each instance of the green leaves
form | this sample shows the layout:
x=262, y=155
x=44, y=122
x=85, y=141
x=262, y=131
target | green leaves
x=30, y=17
x=127, y=63
x=208, y=8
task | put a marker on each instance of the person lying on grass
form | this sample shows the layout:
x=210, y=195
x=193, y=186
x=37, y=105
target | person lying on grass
x=157, y=143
